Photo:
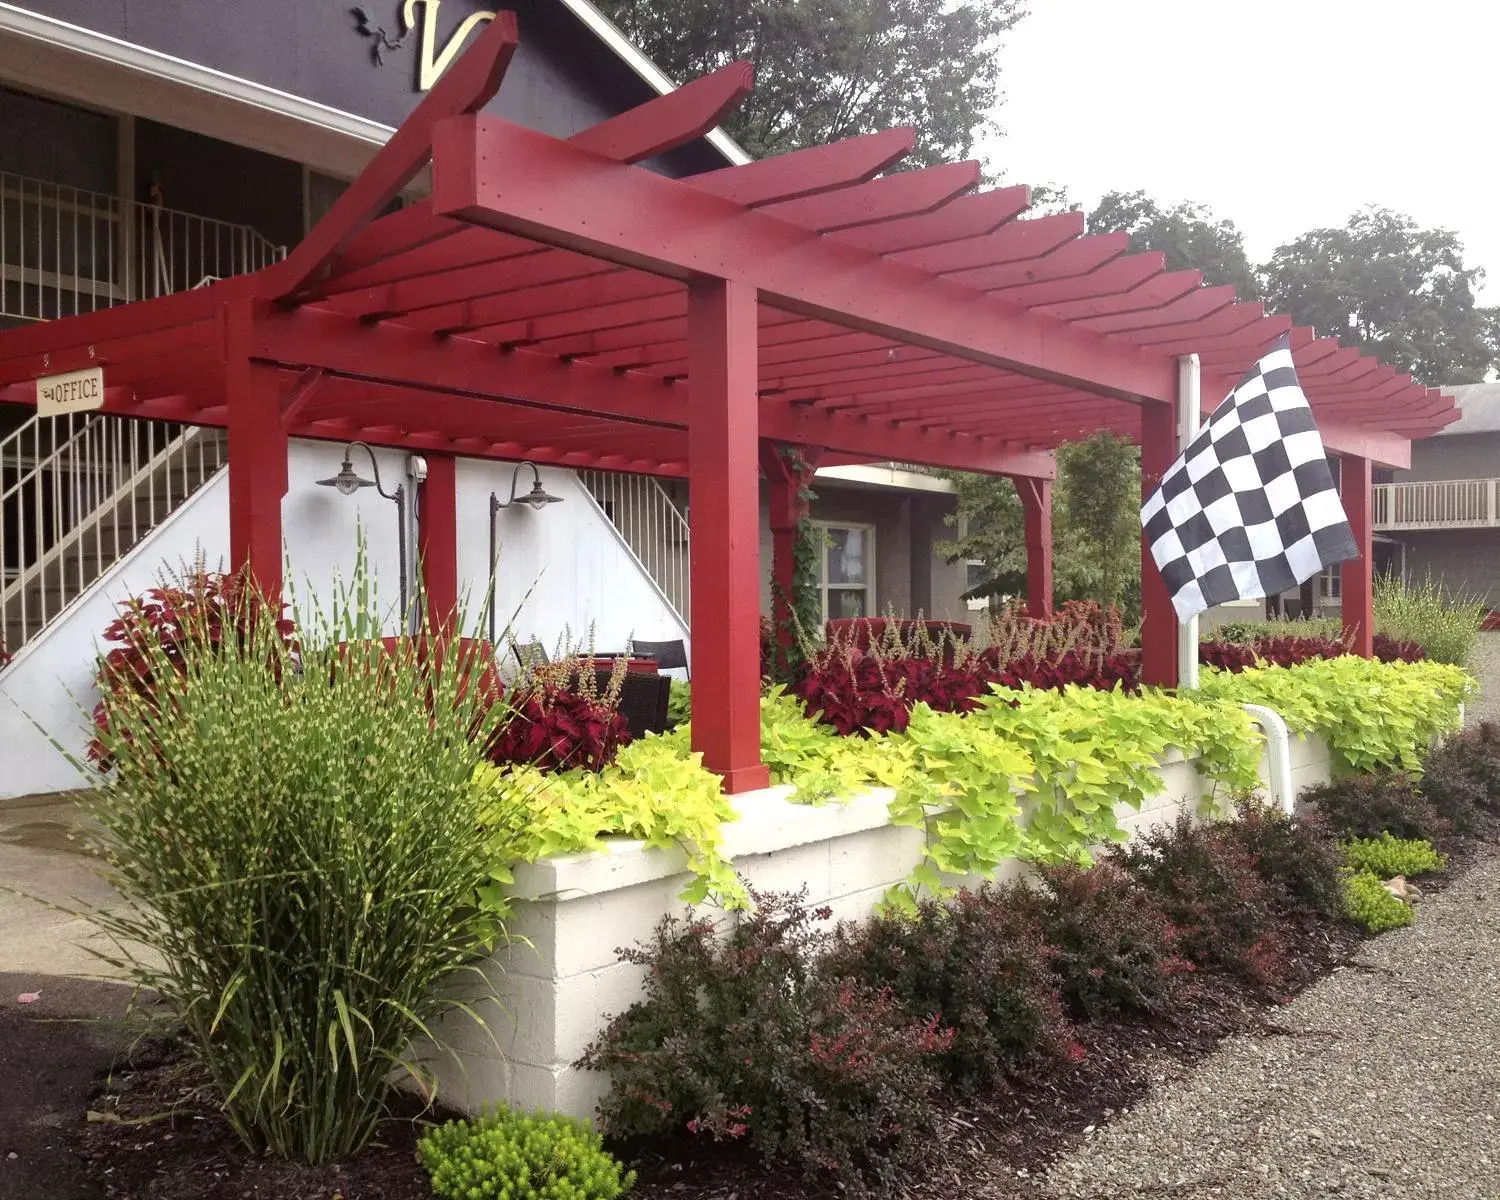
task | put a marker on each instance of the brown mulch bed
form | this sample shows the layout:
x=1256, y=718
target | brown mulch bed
x=157, y=1135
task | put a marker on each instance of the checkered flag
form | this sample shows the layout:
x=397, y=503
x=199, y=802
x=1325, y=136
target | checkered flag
x=1249, y=508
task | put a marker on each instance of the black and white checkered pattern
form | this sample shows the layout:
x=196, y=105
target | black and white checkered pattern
x=1249, y=508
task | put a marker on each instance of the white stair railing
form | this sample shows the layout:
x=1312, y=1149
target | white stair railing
x=77, y=492
x=64, y=250
x=652, y=526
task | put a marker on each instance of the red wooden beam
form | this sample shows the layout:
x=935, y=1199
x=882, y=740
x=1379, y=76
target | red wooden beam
x=723, y=450
x=1357, y=591
x=1159, y=626
x=1153, y=290
x=1014, y=242
x=674, y=119
x=466, y=87
x=1194, y=305
x=550, y=190
x=808, y=172
x=966, y=217
x=1036, y=506
x=903, y=194
x=1072, y=262
x=437, y=541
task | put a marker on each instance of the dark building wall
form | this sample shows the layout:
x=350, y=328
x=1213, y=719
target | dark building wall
x=58, y=142
x=561, y=80
x=1456, y=456
x=1465, y=561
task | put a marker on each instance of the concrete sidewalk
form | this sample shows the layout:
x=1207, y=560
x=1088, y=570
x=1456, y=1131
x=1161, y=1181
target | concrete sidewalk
x=41, y=857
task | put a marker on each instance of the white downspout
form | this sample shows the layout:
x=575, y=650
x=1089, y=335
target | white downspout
x=1278, y=754
x=1189, y=417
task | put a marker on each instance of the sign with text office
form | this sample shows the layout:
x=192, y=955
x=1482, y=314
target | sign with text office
x=76, y=391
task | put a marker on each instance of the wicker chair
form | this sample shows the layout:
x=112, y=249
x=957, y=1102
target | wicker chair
x=643, y=700
x=668, y=655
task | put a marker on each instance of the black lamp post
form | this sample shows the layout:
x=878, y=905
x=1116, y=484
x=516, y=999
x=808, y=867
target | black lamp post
x=536, y=500
x=348, y=481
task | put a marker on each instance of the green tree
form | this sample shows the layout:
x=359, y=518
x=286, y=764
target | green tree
x=1095, y=525
x=1390, y=287
x=1188, y=234
x=828, y=69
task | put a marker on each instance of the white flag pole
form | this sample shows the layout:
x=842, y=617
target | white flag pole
x=1189, y=415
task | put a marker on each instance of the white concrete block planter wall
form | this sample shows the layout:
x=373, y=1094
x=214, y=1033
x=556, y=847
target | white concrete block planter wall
x=550, y=997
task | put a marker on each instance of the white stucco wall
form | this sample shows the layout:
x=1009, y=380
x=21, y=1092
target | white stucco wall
x=564, y=567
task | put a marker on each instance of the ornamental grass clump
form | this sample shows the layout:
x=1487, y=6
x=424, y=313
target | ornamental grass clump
x=508, y=1155
x=1443, y=623
x=296, y=842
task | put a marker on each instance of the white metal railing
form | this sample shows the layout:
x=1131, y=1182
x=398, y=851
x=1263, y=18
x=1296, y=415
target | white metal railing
x=1439, y=504
x=76, y=493
x=64, y=250
x=653, y=526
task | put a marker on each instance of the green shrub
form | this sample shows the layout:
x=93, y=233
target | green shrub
x=295, y=834
x=1365, y=806
x=748, y=1036
x=1371, y=906
x=1112, y=946
x=1386, y=857
x=1293, y=859
x=1444, y=624
x=1223, y=914
x=1461, y=778
x=679, y=703
x=505, y=1155
x=979, y=963
x=1245, y=632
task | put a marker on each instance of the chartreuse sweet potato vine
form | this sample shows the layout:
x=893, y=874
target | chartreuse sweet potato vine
x=1037, y=775
x=1373, y=715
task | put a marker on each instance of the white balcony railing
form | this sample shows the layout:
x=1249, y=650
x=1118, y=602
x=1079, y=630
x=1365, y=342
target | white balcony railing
x=1440, y=504
x=65, y=251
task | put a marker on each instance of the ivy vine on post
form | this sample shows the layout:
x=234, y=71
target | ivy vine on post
x=796, y=604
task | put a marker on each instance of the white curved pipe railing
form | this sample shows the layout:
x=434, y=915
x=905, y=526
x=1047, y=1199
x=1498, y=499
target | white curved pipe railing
x=1278, y=754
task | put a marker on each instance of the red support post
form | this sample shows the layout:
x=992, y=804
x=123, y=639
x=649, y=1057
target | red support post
x=437, y=540
x=1356, y=477
x=1036, y=504
x=257, y=460
x=789, y=471
x=1159, y=618
x=724, y=484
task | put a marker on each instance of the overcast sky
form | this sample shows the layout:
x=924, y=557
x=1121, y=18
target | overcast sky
x=1283, y=115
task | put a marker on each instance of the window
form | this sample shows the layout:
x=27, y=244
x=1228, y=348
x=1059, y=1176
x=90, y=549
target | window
x=1330, y=582
x=847, y=579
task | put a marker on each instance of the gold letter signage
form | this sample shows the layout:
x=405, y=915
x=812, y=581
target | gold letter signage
x=431, y=61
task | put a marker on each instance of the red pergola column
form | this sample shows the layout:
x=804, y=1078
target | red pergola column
x=787, y=481
x=724, y=480
x=257, y=462
x=1159, y=618
x=437, y=539
x=1356, y=476
x=1036, y=505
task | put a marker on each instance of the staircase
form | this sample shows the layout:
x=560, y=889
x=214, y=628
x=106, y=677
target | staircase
x=77, y=494
x=651, y=521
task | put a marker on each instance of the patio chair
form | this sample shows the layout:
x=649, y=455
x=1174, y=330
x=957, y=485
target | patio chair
x=668, y=655
x=529, y=653
x=643, y=700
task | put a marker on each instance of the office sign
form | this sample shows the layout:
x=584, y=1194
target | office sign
x=76, y=391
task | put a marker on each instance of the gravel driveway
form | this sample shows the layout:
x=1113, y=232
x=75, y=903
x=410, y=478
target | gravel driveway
x=1486, y=667
x=1382, y=1083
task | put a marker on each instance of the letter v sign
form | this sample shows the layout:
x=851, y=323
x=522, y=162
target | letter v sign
x=432, y=62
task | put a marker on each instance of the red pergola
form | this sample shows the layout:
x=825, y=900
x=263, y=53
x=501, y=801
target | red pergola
x=552, y=300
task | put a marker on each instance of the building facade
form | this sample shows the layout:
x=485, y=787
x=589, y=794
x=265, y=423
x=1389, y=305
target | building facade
x=151, y=146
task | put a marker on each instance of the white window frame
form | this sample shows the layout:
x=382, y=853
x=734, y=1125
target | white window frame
x=869, y=586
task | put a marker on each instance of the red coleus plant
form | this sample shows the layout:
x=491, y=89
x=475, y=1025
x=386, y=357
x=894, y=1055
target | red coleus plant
x=200, y=609
x=1288, y=651
x=555, y=729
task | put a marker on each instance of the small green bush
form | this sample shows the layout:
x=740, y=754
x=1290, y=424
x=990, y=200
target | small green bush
x=1444, y=624
x=1293, y=859
x=1372, y=906
x=1386, y=857
x=980, y=963
x=1365, y=806
x=506, y=1155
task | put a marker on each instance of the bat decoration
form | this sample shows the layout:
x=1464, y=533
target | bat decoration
x=382, y=40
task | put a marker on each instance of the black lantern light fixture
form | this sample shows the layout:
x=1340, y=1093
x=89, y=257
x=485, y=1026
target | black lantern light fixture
x=348, y=481
x=536, y=500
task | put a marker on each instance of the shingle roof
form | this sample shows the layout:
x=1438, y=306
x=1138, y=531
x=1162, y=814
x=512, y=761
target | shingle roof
x=1479, y=404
